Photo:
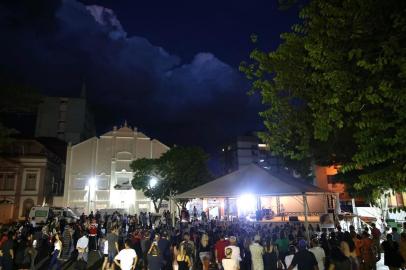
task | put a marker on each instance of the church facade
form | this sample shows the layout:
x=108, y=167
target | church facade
x=98, y=174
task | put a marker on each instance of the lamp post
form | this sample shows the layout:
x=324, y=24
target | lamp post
x=91, y=183
x=153, y=181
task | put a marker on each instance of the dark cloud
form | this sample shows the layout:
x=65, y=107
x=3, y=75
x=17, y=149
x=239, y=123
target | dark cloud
x=202, y=102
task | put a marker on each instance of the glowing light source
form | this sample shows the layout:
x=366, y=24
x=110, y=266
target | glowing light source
x=153, y=181
x=246, y=203
x=92, y=182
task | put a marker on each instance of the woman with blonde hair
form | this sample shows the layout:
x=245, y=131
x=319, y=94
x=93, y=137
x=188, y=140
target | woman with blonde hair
x=183, y=259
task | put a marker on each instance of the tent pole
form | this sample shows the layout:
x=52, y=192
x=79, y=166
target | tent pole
x=305, y=216
x=278, y=206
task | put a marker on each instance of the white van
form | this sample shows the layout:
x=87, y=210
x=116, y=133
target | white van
x=43, y=213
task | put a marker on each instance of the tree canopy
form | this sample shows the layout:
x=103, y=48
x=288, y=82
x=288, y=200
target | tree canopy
x=176, y=171
x=336, y=90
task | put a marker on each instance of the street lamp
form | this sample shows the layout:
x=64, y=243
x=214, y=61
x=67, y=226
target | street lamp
x=91, y=184
x=153, y=181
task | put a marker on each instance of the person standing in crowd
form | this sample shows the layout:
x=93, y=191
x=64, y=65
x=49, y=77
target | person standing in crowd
x=66, y=243
x=126, y=259
x=104, y=245
x=304, y=259
x=155, y=260
x=402, y=247
x=368, y=252
x=219, y=250
x=236, y=254
x=93, y=235
x=270, y=256
x=318, y=253
x=392, y=257
x=164, y=247
x=7, y=252
x=395, y=235
x=338, y=260
x=283, y=245
x=204, y=251
x=189, y=247
x=32, y=251
x=376, y=238
x=289, y=257
x=182, y=259
x=145, y=245
x=228, y=262
x=82, y=247
x=112, y=246
x=348, y=249
x=56, y=253
x=256, y=254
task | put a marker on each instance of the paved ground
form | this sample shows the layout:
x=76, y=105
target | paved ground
x=380, y=265
x=95, y=262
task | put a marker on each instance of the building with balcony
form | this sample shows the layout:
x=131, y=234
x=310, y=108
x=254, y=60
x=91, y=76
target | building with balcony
x=98, y=173
x=31, y=173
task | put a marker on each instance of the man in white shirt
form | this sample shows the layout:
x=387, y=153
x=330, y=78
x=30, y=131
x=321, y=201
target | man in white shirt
x=319, y=253
x=228, y=263
x=256, y=254
x=33, y=223
x=126, y=259
x=235, y=255
x=82, y=247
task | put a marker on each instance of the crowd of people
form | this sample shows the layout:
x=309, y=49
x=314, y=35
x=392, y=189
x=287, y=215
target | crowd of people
x=144, y=242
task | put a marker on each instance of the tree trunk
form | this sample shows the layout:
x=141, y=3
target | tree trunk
x=157, y=206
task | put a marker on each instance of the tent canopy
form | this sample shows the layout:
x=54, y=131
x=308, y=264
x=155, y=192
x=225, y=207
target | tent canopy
x=253, y=180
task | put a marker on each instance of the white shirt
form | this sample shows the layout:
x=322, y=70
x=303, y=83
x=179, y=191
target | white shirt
x=126, y=258
x=320, y=255
x=83, y=242
x=58, y=245
x=106, y=247
x=288, y=261
x=229, y=264
x=235, y=255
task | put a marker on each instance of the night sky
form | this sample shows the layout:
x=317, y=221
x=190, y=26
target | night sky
x=169, y=68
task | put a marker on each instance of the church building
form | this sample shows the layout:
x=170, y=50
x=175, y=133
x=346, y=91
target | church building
x=98, y=174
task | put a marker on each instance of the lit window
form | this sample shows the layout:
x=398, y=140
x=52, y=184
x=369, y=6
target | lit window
x=31, y=181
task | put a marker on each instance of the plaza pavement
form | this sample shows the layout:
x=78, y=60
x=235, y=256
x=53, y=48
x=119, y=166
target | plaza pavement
x=95, y=262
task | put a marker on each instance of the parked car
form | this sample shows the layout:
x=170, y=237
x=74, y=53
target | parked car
x=43, y=213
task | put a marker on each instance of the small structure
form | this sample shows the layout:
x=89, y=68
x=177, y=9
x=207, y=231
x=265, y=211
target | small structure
x=277, y=194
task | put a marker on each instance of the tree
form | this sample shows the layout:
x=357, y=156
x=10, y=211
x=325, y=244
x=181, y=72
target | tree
x=145, y=172
x=335, y=90
x=176, y=171
x=187, y=168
